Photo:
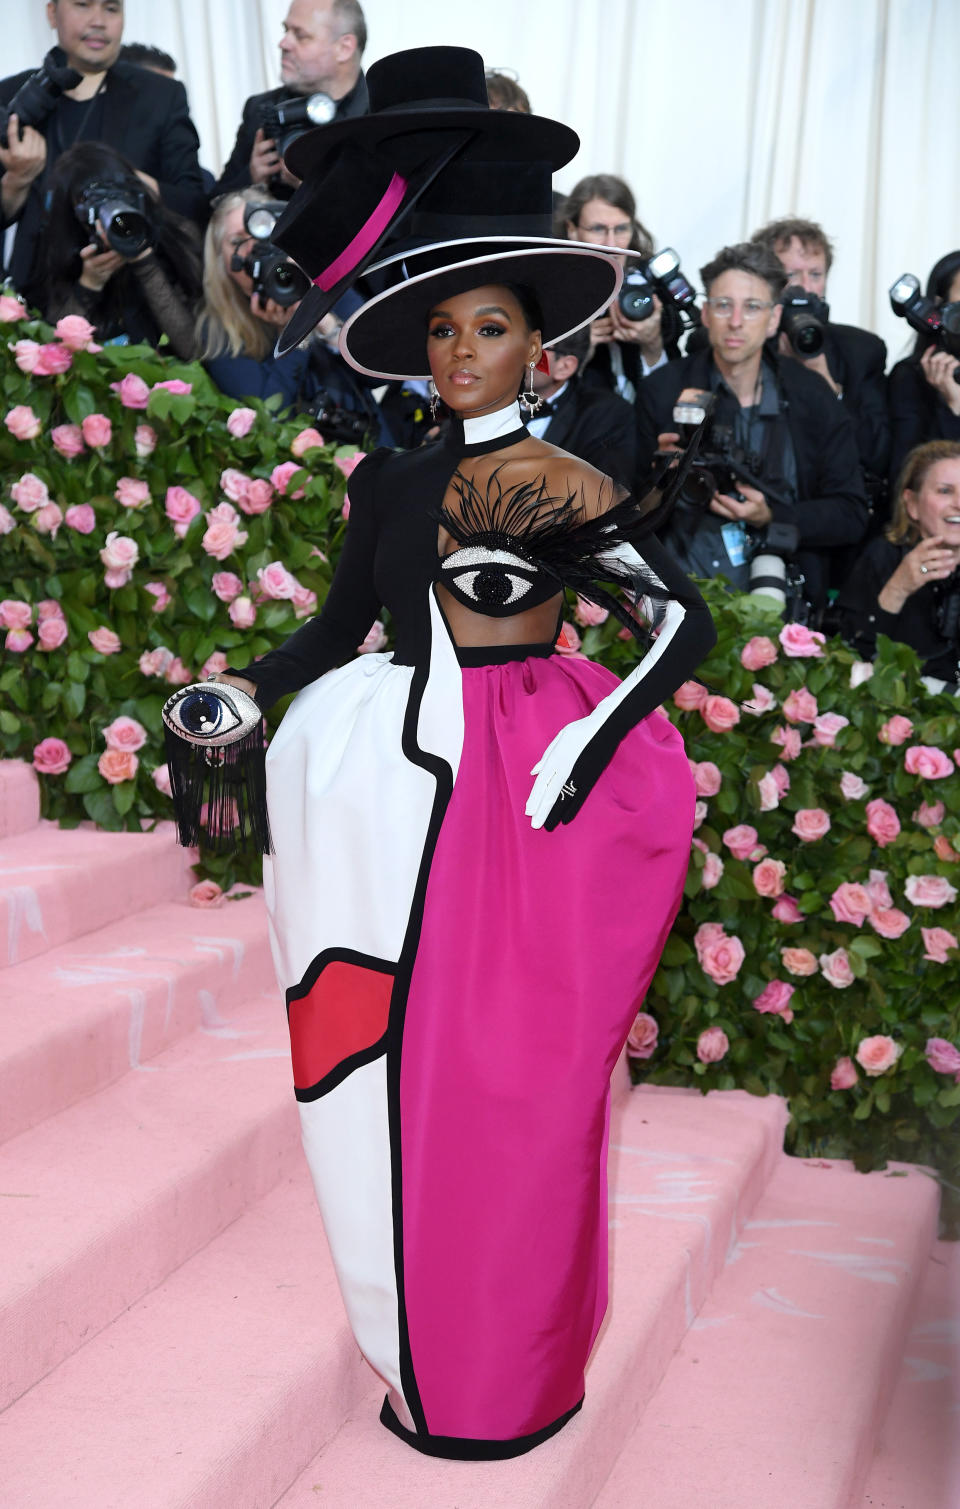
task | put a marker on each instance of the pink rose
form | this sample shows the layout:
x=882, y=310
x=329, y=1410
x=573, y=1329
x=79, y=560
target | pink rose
x=259, y=495
x=889, y=922
x=125, y=733
x=161, y=779
x=860, y=671
x=769, y=876
x=52, y=359
x=281, y=475
x=240, y=422
x=787, y=911
x=116, y=765
x=922, y=759
x=844, y=1075
x=712, y=1045
x=130, y=492
x=234, y=484
x=47, y=520
x=74, y=331
x=699, y=814
x=15, y=613
x=30, y=492
x=120, y=554
x=48, y=607
x=26, y=354
x=883, y=824
x=23, y=423
x=226, y=585
x=181, y=508
x=173, y=385
x=158, y=590
x=800, y=706
x=18, y=640
x=741, y=840
x=762, y=701
x=68, y=440
x=349, y=464
x=757, y=653
x=936, y=941
x=206, y=893
x=944, y=850
x=155, y=662
x=720, y=714
x=930, y=814
x=81, y=517
x=769, y=792
x=876, y=1055
x=145, y=440
x=97, y=431
x=11, y=309
x=799, y=642
x=243, y=615
x=798, y=961
x=568, y=640
x=105, y=642
x=7, y=522
x=836, y=969
x=706, y=777
x=276, y=581
x=51, y=757
x=775, y=997
x=929, y=890
x=305, y=441
x=223, y=534
x=942, y=1056
x=811, y=824
x=690, y=696
x=852, y=788
x=375, y=641
x=720, y=956
x=789, y=741
x=827, y=726
x=589, y=615
x=878, y=890
x=51, y=633
x=851, y=903
x=712, y=872
x=642, y=1041
x=304, y=601
x=177, y=674
x=895, y=731
x=215, y=665
x=782, y=777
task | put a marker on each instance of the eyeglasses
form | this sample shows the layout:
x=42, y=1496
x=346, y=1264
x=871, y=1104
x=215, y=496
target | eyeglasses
x=625, y=228
x=750, y=309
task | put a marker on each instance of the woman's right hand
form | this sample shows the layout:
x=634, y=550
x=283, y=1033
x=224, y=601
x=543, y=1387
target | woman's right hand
x=938, y=368
x=98, y=267
x=930, y=561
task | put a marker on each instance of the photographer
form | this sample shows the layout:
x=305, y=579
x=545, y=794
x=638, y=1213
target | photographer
x=320, y=53
x=778, y=422
x=603, y=211
x=588, y=422
x=117, y=103
x=907, y=584
x=924, y=394
x=116, y=255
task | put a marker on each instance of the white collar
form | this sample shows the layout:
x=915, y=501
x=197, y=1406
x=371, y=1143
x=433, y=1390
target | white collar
x=486, y=427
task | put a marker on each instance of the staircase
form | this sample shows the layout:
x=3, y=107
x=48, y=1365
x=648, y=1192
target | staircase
x=171, y=1336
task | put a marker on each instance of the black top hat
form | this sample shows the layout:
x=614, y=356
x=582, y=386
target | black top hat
x=362, y=176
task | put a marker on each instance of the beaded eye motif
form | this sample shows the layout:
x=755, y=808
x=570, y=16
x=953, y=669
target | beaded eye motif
x=205, y=714
x=492, y=579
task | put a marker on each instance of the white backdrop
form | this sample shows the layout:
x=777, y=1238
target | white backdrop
x=720, y=116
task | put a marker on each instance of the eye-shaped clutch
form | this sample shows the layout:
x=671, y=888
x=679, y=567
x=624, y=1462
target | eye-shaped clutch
x=211, y=713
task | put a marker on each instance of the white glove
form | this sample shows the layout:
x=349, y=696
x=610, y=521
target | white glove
x=553, y=770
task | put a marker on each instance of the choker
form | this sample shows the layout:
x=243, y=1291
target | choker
x=487, y=432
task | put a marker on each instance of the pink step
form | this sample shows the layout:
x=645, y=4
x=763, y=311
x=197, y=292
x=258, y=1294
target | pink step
x=917, y=1456
x=78, y=1017
x=19, y=798
x=104, y=1200
x=686, y=1174
x=57, y=884
x=778, y=1390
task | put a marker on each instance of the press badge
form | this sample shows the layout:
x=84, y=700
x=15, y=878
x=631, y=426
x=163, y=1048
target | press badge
x=735, y=542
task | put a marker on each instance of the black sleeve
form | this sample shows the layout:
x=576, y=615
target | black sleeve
x=236, y=173
x=866, y=401
x=861, y=616
x=652, y=408
x=917, y=413
x=178, y=174
x=350, y=607
x=832, y=507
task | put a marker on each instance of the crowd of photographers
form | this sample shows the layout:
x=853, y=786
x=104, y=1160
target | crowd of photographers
x=820, y=479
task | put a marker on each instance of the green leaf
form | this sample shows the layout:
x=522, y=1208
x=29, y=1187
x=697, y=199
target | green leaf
x=74, y=698
x=124, y=796
x=201, y=602
x=100, y=806
x=8, y=723
x=78, y=669
x=83, y=776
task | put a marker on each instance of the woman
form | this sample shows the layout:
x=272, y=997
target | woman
x=602, y=211
x=924, y=394
x=434, y=810
x=898, y=587
x=140, y=294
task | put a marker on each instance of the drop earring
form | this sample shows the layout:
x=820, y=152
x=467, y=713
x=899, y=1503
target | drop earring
x=531, y=400
x=434, y=400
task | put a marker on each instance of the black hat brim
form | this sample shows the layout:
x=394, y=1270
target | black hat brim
x=387, y=336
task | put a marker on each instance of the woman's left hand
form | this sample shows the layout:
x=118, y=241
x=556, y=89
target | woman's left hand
x=98, y=267
x=273, y=313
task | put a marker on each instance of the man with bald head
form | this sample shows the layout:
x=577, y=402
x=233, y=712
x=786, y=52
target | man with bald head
x=320, y=53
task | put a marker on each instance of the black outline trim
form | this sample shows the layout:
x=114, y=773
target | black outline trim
x=467, y=1449
x=299, y=992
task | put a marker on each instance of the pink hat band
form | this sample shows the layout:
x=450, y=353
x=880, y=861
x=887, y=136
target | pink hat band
x=366, y=237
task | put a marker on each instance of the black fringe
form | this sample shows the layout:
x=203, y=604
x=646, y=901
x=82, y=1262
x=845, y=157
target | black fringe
x=232, y=781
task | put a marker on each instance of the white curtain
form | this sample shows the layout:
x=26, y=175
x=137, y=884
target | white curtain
x=719, y=116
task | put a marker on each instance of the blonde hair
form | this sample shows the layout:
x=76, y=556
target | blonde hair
x=226, y=325
x=902, y=529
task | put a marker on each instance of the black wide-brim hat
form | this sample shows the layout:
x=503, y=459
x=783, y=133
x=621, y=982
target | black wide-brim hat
x=387, y=336
x=362, y=176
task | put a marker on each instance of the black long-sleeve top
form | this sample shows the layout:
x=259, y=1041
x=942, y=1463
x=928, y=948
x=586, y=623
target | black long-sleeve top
x=862, y=617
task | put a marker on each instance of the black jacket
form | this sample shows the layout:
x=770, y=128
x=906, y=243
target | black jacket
x=831, y=510
x=598, y=427
x=917, y=413
x=862, y=618
x=145, y=116
x=236, y=174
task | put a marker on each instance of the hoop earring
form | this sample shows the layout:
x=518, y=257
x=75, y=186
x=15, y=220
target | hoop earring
x=532, y=400
x=434, y=400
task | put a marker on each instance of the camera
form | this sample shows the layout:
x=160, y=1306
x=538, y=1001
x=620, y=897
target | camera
x=38, y=94
x=716, y=468
x=804, y=320
x=282, y=121
x=270, y=270
x=941, y=321
x=773, y=574
x=345, y=426
x=122, y=215
x=658, y=274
